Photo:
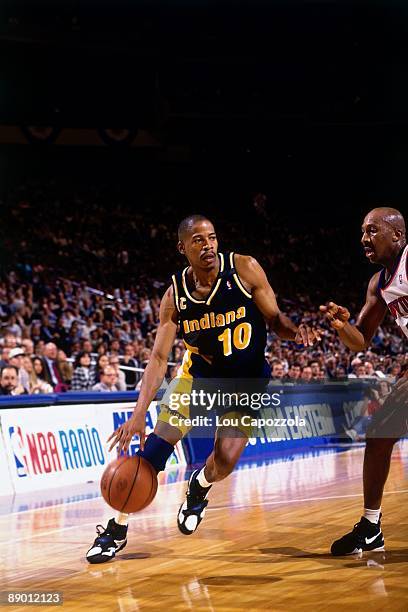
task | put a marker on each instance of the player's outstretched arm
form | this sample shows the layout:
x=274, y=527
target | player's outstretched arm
x=358, y=337
x=254, y=277
x=152, y=376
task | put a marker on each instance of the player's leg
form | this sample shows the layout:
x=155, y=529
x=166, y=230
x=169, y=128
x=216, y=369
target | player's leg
x=388, y=425
x=377, y=461
x=159, y=446
x=228, y=446
x=367, y=534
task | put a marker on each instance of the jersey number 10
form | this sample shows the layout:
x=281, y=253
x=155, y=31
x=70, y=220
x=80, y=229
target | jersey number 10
x=240, y=338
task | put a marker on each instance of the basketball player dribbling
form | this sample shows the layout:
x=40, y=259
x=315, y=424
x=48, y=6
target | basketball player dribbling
x=384, y=243
x=222, y=303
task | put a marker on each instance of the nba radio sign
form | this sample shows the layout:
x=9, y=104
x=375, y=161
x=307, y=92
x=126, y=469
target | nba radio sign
x=44, y=452
x=54, y=446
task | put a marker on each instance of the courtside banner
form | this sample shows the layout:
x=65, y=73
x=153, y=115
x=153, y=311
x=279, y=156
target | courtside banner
x=58, y=445
x=6, y=486
x=53, y=446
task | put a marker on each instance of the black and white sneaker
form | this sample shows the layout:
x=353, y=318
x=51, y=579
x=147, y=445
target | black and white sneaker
x=109, y=541
x=365, y=536
x=192, y=511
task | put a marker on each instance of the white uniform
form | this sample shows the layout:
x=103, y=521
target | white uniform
x=395, y=292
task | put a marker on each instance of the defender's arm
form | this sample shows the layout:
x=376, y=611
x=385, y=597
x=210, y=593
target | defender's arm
x=358, y=337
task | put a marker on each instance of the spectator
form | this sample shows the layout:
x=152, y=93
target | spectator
x=16, y=359
x=4, y=357
x=108, y=380
x=101, y=363
x=120, y=377
x=355, y=364
x=331, y=367
x=102, y=349
x=277, y=371
x=9, y=384
x=341, y=373
x=395, y=372
x=144, y=357
x=64, y=366
x=358, y=371
x=315, y=367
x=39, y=348
x=83, y=376
x=115, y=347
x=10, y=341
x=36, y=384
x=53, y=374
x=369, y=369
x=294, y=373
x=131, y=377
x=306, y=376
x=87, y=346
x=28, y=346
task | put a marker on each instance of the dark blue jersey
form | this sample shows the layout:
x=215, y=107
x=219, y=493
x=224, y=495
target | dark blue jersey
x=224, y=334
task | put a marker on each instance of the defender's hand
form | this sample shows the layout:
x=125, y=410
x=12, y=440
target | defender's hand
x=336, y=315
x=306, y=335
x=124, y=434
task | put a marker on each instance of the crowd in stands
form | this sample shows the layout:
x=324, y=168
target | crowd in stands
x=80, y=293
x=61, y=336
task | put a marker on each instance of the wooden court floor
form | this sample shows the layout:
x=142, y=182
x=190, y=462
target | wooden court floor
x=263, y=545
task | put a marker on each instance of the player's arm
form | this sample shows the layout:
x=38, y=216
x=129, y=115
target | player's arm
x=358, y=337
x=254, y=277
x=152, y=376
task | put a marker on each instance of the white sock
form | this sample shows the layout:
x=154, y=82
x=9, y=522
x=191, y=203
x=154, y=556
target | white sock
x=122, y=519
x=202, y=481
x=372, y=515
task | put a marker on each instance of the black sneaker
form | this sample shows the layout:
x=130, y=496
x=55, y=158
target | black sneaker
x=365, y=536
x=192, y=511
x=109, y=541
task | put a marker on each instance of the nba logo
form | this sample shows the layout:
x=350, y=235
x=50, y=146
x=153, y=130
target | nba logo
x=17, y=446
x=400, y=279
x=229, y=286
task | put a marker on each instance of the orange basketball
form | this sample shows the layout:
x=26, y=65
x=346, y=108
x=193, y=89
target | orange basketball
x=129, y=484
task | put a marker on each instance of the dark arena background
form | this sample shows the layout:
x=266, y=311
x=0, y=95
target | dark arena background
x=284, y=123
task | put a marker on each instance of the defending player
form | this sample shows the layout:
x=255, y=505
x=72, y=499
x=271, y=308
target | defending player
x=384, y=242
x=221, y=302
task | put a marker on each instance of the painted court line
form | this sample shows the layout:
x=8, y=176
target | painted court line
x=299, y=500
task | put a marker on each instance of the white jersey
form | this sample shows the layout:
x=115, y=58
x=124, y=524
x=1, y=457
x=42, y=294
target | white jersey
x=395, y=291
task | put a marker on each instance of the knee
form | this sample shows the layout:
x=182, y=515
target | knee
x=167, y=432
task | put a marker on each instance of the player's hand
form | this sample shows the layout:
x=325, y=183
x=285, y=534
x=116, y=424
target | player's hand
x=306, y=335
x=335, y=314
x=136, y=425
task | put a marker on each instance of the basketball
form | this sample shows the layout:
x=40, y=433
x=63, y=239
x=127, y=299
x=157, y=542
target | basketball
x=129, y=484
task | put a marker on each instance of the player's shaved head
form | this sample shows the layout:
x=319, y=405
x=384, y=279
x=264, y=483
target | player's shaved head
x=186, y=225
x=389, y=215
x=383, y=235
